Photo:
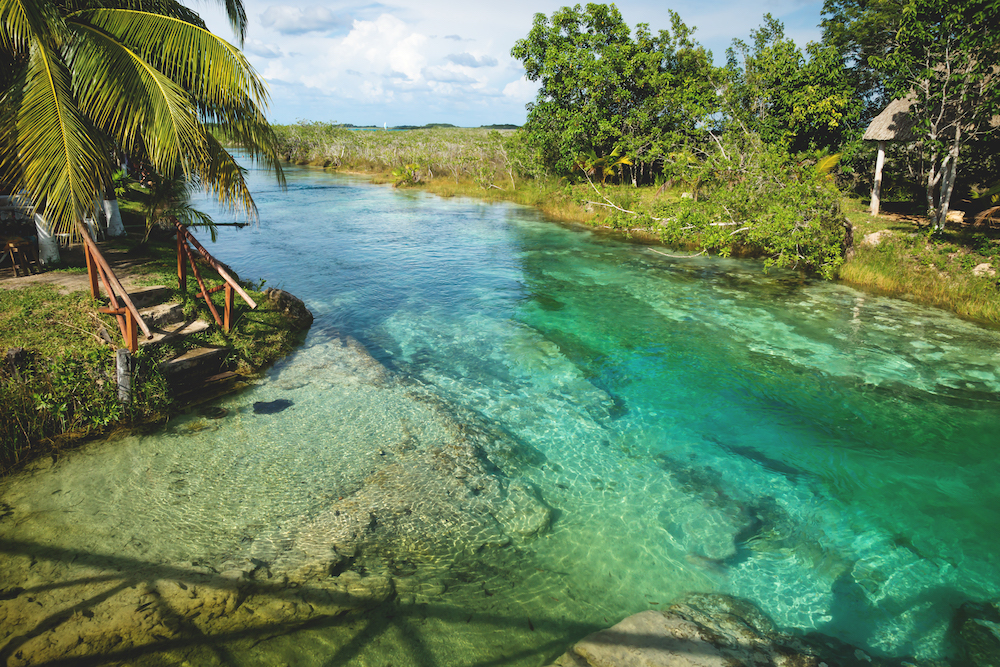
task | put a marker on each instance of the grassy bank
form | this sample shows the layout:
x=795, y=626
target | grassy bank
x=939, y=270
x=61, y=389
x=496, y=166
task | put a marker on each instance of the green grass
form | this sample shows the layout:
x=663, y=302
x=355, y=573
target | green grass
x=932, y=269
x=39, y=318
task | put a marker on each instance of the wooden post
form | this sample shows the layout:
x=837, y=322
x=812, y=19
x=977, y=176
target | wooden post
x=91, y=272
x=229, y=307
x=204, y=292
x=124, y=375
x=181, y=264
x=877, y=187
x=131, y=332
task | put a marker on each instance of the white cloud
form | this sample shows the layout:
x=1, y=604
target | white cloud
x=469, y=60
x=259, y=48
x=385, y=44
x=362, y=62
x=289, y=20
x=446, y=75
x=521, y=90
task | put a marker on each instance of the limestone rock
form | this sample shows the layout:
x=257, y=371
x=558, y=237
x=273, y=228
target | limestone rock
x=292, y=306
x=423, y=496
x=708, y=630
x=873, y=239
x=524, y=514
x=984, y=269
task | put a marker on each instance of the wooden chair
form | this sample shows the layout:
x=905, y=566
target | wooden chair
x=22, y=256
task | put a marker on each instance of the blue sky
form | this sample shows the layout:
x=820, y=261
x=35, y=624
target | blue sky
x=441, y=61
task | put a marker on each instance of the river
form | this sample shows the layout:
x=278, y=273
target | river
x=687, y=424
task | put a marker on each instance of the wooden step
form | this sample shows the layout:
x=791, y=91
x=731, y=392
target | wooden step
x=194, y=365
x=162, y=314
x=175, y=330
x=147, y=296
x=187, y=396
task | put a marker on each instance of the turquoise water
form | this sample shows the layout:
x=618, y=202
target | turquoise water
x=694, y=423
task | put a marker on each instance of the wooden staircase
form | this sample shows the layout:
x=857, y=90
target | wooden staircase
x=198, y=369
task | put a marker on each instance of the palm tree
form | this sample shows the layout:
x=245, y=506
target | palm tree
x=83, y=80
x=601, y=167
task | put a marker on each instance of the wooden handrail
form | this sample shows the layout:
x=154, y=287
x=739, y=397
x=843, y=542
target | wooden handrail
x=204, y=292
x=214, y=263
x=113, y=279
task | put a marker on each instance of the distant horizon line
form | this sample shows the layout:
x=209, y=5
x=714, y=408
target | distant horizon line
x=426, y=126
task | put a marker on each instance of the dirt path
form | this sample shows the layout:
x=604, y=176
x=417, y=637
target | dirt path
x=124, y=266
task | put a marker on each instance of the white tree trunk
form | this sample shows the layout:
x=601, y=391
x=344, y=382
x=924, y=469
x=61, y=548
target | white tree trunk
x=933, y=178
x=877, y=187
x=48, y=247
x=114, y=217
x=948, y=178
x=947, y=185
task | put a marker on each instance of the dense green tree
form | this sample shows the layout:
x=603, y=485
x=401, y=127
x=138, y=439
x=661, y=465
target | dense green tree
x=603, y=90
x=84, y=79
x=941, y=55
x=800, y=100
x=944, y=57
x=859, y=31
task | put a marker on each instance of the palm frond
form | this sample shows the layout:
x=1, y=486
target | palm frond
x=134, y=102
x=212, y=70
x=237, y=19
x=23, y=23
x=224, y=177
x=247, y=128
x=54, y=152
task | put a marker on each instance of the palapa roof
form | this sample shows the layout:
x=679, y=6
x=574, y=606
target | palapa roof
x=894, y=123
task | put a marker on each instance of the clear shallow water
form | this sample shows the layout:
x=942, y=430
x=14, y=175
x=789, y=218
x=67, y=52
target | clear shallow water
x=695, y=424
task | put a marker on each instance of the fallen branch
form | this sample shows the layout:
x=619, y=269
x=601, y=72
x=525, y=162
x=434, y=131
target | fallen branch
x=70, y=326
x=611, y=204
x=677, y=256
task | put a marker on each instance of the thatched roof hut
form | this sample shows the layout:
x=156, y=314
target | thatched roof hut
x=895, y=123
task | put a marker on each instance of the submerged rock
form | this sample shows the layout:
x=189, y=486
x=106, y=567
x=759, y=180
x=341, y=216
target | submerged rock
x=708, y=630
x=524, y=514
x=977, y=625
x=416, y=491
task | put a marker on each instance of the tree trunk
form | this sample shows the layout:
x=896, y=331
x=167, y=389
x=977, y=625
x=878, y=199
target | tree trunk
x=948, y=179
x=933, y=177
x=48, y=247
x=877, y=187
x=114, y=217
x=944, y=193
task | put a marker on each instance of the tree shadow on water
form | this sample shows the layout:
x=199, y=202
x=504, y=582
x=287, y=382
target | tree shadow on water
x=388, y=621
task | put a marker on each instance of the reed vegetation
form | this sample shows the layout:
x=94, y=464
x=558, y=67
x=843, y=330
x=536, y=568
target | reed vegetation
x=482, y=156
